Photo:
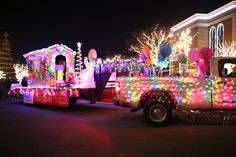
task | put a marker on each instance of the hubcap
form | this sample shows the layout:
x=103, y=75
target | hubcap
x=158, y=113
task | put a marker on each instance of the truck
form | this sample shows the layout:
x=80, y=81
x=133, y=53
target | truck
x=159, y=97
x=52, y=81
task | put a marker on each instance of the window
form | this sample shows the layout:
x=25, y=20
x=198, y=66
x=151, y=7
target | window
x=212, y=37
x=227, y=68
x=60, y=68
x=220, y=35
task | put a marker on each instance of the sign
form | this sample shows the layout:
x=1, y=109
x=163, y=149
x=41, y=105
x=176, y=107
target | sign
x=29, y=97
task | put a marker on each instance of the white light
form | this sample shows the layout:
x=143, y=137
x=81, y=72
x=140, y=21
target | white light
x=208, y=16
x=21, y=71
x=2, y=75
x=153, y=39
x=228, y=49
x=182, y=44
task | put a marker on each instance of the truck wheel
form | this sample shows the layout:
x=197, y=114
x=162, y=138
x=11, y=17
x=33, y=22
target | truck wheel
x=157, y=114
x=73, y=100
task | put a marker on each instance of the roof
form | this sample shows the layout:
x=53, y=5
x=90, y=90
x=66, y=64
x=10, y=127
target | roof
x=199, y=16
x=45, y=50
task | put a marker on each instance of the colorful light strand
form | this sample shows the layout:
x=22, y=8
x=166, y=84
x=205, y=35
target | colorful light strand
x=190, y=92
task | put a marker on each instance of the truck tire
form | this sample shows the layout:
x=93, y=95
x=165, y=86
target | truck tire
x=157, y=114
x=73, y=100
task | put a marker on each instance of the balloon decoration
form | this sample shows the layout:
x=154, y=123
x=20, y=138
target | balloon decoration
x=142, y=56
x=202, y=60
x=147, y=54
x=51, y=70
x=70, y=70
x=205, y=54
x=162, y=62
x=193, y=55
x=92, y=55
x=165, y=51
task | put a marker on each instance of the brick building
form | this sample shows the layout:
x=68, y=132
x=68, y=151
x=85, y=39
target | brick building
x=212, y=28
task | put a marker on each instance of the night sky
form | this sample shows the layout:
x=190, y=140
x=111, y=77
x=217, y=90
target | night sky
x=105, y=26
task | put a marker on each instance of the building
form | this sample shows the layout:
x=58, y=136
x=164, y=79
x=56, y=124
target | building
x=212, y=29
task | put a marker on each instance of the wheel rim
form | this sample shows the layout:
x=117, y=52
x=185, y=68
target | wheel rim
x=158, y=113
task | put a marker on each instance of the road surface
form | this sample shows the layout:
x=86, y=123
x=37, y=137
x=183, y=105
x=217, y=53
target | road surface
x=103, y=130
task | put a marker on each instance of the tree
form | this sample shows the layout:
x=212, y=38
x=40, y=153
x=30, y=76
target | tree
x=181, y=44
x=6, y=61
x=153, y=38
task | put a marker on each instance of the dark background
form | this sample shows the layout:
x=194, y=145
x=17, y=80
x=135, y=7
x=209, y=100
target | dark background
x=103, y=25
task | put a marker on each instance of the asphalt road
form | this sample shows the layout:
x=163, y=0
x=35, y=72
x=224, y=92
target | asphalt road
x=104, y=130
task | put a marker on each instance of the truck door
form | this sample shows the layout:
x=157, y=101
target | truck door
x=195, y=93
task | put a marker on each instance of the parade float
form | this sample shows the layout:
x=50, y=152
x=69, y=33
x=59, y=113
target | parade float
x=50, y=76
x=158, y=84
x=55, y=77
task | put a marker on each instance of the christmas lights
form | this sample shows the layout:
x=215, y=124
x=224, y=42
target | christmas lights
x=46, y=64
x=153, y=39
x=78, y=60
x=21, y=71
x=181, y=44
x=47, y=96
x=189, y=92
x=6, y=64
x=227, y=49
x=2, y=75
x=199, y=17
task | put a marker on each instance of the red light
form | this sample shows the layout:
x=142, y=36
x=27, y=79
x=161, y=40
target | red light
x=117, y=88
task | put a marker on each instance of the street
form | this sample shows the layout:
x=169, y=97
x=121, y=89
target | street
x=103, y=130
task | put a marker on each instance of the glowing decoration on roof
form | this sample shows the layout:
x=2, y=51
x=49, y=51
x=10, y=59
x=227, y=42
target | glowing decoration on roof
x=228, y=49
x=21, y=71
x=204, y=17
x=59, y=48
x=2, y=75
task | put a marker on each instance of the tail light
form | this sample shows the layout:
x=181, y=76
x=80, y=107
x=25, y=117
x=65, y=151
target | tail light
x=118, y=89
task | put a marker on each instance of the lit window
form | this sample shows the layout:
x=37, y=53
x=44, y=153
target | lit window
x=220, y=35
x=212, y=37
